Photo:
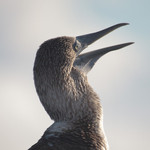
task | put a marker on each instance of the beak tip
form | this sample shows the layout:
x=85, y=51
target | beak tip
x=131, y=43
x=123, y=24
x=127, y=44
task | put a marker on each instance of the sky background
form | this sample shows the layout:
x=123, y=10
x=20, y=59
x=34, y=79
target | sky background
x=121, y=78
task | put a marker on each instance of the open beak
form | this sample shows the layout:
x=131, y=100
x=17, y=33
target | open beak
x=86, y=61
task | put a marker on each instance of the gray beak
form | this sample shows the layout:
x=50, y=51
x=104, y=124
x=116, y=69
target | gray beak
x=86, y=61
x=88, y=39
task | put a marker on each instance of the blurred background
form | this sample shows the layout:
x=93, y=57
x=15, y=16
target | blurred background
x=121, y=78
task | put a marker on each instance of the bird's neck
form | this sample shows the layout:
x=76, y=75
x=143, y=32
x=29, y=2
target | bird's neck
x=67, y=98
x=73, y=105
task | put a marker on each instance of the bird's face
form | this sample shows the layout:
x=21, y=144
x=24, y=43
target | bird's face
x=63, y=53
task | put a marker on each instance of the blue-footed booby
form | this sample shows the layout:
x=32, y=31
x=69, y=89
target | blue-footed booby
x=60, y=76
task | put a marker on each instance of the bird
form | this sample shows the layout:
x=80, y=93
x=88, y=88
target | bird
x=60, y=77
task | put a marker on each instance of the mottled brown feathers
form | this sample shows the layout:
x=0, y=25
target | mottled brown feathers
x=67, y=97
x=62, y=86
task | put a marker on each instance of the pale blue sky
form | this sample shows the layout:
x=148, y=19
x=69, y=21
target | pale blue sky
x=121, y=78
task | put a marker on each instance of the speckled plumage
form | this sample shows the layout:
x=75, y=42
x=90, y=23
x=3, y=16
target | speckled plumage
x=66, y=95
x=63, y=89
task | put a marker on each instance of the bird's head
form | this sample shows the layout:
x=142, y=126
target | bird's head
x=63, y=53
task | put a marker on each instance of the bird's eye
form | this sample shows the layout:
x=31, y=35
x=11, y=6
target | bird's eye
x=76, y=46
